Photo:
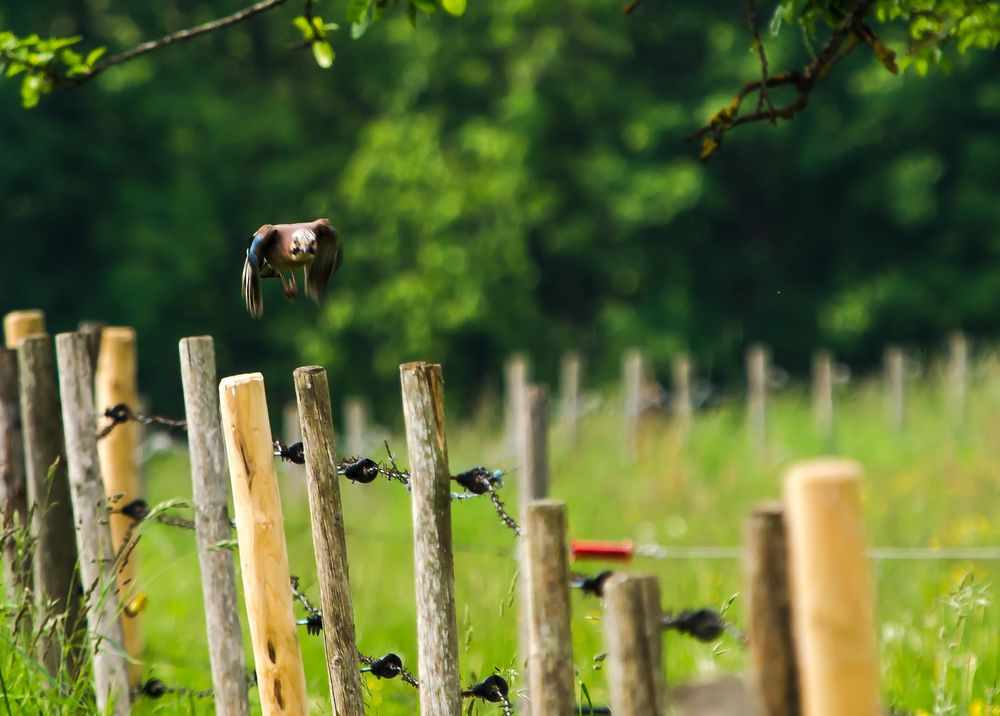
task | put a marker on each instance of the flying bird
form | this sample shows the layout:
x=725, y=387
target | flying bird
x=280, y=249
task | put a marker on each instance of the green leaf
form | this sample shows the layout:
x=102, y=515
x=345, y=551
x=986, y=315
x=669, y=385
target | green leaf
x=356, y=10
x=31, y=91
x=324, y=54
x=428, y=7
x=94, y=55
x=319, y=27
x=361, y=26
x=303, y=25
x=454, y=7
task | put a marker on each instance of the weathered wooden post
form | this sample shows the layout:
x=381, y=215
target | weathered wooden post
x=355, y=423
x=633, y=381
x=516, y=373
x=434, y=568
x=569, y=395
x=260, y=529
x=832, y=596
x=957, y=371
x=550, y=659
x=55, y=555
x=649, y=587
x=92, y=330
x=21, y=324
x=116, y=383
x=774, y=674
x=316, y=417
x=895, y=384
x=211, y=522
x=682, y=407
x=757, y=368
x=93, y=538
x=626, y=637
x=822, y=393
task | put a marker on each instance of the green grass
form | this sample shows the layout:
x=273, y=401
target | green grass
x=935, y=485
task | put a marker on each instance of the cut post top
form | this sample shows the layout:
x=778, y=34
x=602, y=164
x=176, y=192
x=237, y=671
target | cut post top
x=418, y=366
x=770, y=508
x=233, y=382
x=118, y=334
x=828, y=470
x=19, y=324
x=308, y=370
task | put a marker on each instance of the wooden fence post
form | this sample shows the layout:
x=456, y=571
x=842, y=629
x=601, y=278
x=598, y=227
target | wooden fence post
x=757, y=368
x=116, y=383
x=774, y=674
x=13, y=497
x=550, y=662
x=895, y=384
x=91, y=330
x=211, y=521
x=21, y=324
x=260, y=529
x=355, y=424
x=516, y=373
x=316, y=417
x=625, y=633
x=832, y=596
x=434, y=568
x=93, y=537
x=55, y=555
x=569, y=395
x=957, y=371
x=682, y=408
x=649, y=587
x=822, y=392
x=633, y=381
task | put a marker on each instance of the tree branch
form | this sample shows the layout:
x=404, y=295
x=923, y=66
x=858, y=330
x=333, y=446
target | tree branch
x=763, y=99
x=180, y=36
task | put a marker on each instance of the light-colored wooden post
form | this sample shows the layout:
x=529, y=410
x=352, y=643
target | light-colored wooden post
x=625, y=634
x=434, y=568
x=516, y=372
x=569, y=395
x=116, y=383
x=649, y=586
x=832, y=596
x=757, y=364
x=21, y=324
x=895, y=384
x=260, y=529
x=774, y=674
x=55, y=554
x=822, y=392
x=13, y=497
x=957, y=371
x=682, y=407
x=550, y=662
x=633, y=380
x=355, y=424
x=93, y=538
x=211, y=521
x=316, y=417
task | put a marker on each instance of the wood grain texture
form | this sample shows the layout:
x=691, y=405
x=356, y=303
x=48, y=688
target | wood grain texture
x=628, y=664
x=434, y=569
x=550, y=661
x=93, y=537
x=649, y=587
x=316, y=417
x=773, y=671
x=116, y=382
x=832, y=595
x=13, y=490
x=211, y=520
x=55, y=555
x=260, y=529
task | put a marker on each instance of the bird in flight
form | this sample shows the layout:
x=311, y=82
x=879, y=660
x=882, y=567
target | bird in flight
x=280, y=249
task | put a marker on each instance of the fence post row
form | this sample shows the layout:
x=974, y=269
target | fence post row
x=633, y=382
x=316, y=418
x=774, y=674
x=93, y=537
x=55, y=554
x=211, y=521
x=516, y=372
x=832, y=595
x=115, y=382
x=630, y=659
x=434, y=569
x=260, y=530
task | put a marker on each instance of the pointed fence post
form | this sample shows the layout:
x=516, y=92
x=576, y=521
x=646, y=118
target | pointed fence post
x=260, y=528
x=774, y=673
x=569, y=395
x=822, y=393
x=757, y=369
x=434, y=569
x=93, y=537
x=516, y=372
x=211, y=521
x=832, y=595
x=316, y=417
x=55, y=555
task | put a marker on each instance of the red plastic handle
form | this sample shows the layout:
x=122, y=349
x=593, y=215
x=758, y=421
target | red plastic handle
x=600, y=549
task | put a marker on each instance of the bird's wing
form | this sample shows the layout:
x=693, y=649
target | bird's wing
x=326, y=263
x=253, y=268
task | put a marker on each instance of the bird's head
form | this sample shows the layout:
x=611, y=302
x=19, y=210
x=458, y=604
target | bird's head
x=304, y=244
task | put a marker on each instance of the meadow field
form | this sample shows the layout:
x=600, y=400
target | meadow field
x=934, y=485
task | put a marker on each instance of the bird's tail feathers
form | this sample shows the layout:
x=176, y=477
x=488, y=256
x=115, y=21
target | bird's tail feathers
x=251, y=290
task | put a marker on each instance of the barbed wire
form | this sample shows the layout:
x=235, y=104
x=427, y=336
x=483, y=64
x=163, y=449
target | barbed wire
x=155, y=689
x=121, y=413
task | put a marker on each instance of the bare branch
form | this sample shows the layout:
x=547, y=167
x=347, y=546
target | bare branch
x=763, y=100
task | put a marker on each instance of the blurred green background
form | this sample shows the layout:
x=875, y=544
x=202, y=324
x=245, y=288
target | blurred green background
x=514, y=180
